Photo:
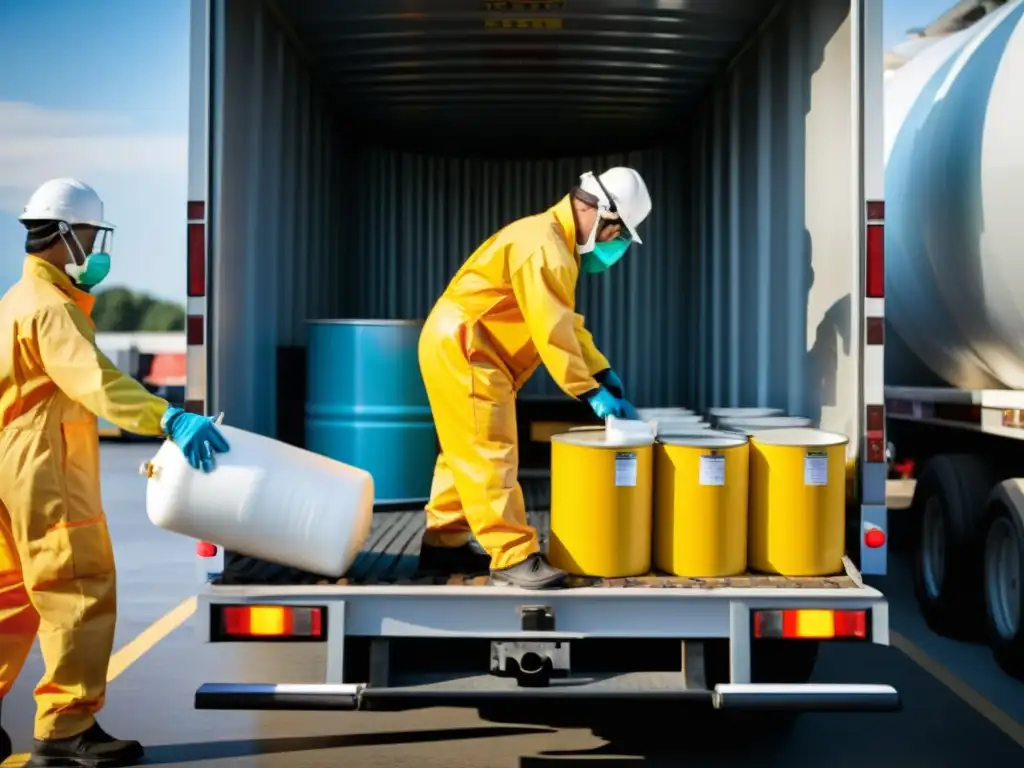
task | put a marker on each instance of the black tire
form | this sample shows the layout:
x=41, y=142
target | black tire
x=948, y=508
x=1003, y=544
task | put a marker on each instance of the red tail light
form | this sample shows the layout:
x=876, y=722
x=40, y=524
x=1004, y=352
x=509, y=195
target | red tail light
x=805, y=624
x=258, y=622
x=874, y=538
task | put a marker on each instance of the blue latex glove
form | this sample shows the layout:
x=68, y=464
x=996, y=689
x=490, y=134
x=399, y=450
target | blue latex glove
x=605, y=404
x=610, y=380
x=196, y=436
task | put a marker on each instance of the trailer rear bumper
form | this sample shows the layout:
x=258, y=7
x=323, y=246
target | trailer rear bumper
x=813, y=697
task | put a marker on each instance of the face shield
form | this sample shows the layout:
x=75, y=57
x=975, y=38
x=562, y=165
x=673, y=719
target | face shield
x=598, y=255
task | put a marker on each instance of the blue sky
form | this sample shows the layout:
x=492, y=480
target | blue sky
x=98, y=89
x=901, y=15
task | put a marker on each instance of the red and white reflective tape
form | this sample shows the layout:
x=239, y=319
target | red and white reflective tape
x=195, y=323
x=874, y=467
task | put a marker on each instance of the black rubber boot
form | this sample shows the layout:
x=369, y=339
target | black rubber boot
x=535, y=572
x=6, y=748
x=94, y=747
x=466, y=560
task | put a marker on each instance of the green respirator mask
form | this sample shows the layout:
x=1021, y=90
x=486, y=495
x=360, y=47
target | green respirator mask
x=94, y=267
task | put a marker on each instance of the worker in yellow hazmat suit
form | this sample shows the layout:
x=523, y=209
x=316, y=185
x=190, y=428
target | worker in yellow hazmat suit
x=56, y=561
x=509, y=308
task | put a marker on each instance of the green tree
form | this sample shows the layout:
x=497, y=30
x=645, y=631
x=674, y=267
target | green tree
x=163, y=316
x=119, y=309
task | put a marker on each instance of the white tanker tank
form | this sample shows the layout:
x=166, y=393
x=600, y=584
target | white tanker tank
x=954, y=190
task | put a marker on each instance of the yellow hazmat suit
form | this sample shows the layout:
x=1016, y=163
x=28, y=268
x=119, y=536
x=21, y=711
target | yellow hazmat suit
x=510, y=307
x=56, y=561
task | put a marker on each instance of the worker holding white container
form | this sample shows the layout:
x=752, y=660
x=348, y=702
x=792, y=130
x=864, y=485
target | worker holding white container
x=508, y=309
x=56, y=561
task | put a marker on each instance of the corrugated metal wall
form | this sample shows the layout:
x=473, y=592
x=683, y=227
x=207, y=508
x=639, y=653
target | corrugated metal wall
x=773, y=247
x=743, y=293
x=280, y=192
x=420, y=217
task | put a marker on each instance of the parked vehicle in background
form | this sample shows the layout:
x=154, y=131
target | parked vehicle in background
x=157, y=360
x=954, y=352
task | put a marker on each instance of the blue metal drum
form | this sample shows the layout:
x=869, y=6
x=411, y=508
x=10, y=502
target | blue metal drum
x=366, y=404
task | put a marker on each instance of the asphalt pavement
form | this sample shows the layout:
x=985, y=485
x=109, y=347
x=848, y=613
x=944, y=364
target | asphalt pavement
x=959, y=708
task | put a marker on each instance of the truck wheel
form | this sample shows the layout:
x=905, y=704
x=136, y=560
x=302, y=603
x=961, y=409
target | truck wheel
x=948, y=506
x=1004, y=577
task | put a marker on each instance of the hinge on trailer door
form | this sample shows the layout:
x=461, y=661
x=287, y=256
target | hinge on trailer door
x=537, y=618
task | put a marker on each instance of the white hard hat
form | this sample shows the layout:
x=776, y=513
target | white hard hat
x=67, y=200
x=629, y=196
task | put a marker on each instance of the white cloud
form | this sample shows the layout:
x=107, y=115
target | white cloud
x=37, y=144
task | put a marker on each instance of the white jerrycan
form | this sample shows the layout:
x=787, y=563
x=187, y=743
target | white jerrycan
x=617, y=430
x=265, y=499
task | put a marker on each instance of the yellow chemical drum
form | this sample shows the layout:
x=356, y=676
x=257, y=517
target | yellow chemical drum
x=797, y=502
x=700, y=504
x=601, y=493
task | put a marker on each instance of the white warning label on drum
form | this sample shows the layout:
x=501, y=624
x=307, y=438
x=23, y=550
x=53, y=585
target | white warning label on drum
x=625, y=469
x=816, y=469
x=712, y=470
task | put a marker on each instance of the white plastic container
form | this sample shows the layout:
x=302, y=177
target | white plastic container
x=265, y=499
x=618, y=430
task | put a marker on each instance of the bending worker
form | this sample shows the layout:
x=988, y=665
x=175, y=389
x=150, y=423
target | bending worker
x=510, y=307
x=56, y=561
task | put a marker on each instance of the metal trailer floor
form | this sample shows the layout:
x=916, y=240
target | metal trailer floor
x=391, y=556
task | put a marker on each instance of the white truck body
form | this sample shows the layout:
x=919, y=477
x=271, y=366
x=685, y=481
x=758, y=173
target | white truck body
x=346, y=157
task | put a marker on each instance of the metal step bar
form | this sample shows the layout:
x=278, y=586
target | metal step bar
x=812, y=697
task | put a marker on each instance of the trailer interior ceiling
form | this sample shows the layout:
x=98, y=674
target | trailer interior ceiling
x=359, y=150
x=538, y=76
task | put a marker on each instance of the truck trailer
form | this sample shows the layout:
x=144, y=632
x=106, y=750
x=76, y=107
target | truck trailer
x=954, y=357
x=345, y=158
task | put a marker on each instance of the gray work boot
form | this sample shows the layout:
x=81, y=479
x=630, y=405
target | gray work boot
x=93, y=747
x=6, y=748
x=535, y=572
